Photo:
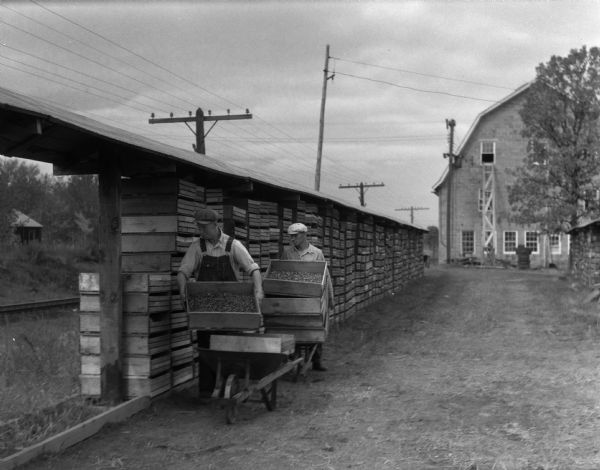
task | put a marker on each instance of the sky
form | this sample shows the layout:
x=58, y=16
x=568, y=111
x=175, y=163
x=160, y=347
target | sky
x=399, y=70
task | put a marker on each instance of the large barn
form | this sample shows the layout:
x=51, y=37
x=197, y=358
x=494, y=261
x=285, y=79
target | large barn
x=134, y=334
x=480, y=214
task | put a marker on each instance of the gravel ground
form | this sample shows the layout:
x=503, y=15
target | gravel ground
x=464, y=369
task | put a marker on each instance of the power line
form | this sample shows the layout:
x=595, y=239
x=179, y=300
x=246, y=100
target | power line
x=412, y=88
x=422, y=74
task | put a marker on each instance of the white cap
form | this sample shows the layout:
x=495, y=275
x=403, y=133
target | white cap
x=297, y=228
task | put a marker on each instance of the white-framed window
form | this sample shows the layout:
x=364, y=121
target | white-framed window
x=488, y=152
x=554, y=239
x=510, y=243
x=531, y=242
x=468, y=242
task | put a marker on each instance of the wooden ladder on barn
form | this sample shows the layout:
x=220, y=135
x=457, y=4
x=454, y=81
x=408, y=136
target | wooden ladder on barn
x=488, y=214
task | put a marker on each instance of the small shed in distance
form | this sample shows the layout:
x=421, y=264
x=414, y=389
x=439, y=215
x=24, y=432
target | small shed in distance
x=27, y=229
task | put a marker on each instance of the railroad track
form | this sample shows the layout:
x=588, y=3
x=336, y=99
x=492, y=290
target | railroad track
x=38, y=305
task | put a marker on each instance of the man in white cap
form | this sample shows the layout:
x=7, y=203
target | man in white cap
x=300, y=249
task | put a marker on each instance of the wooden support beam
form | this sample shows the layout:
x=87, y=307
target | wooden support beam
x=111, y=301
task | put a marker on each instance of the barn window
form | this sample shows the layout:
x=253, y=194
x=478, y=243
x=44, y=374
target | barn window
x=468, y=242
x=488, y=152
x=554, y=243
x=510, y=243
x=531, y=242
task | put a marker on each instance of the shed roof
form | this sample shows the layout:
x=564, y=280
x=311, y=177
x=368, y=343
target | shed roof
x=23, y=220
x=51, y=146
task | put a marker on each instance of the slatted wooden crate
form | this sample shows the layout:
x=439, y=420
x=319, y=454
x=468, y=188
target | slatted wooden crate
x=280, y=287
x=267, y=343
x=221, y=320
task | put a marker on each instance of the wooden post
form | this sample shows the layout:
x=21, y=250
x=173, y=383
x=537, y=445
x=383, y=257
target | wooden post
x=111, y=299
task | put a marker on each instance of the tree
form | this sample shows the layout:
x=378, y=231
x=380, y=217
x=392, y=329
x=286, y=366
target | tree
x=559, y=181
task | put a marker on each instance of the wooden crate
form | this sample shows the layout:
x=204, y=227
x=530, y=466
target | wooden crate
x=267, y=343
x=279, y=287
x=231, y=321
x=306, y=312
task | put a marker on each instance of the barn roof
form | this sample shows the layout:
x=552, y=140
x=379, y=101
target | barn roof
x=37, y=130
x=23, y=220
x=476, y=123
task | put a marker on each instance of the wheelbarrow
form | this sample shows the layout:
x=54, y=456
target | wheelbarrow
x=240, y=374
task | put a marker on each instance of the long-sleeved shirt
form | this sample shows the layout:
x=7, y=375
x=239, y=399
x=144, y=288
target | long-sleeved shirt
x=240, y=258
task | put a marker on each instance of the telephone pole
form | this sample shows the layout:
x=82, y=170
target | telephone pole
x=200, y=119
x=322, y=119
x=362, y=187
x=412, y=209
x=453, y=161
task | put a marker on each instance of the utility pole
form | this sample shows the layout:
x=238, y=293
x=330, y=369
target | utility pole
x=362, y=189
x=200, y=119
x=322, y=120
x=412, y=210
x=452, y=163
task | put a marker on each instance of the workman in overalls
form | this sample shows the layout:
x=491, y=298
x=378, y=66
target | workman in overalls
x=301, y=249
x=218, y=257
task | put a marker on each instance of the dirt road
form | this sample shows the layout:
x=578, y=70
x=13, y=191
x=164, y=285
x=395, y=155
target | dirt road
x=464, y=369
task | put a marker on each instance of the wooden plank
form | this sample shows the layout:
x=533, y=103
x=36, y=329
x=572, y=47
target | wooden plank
x=90, y=365
x=145, y=324
x=149, y=224
x=76, y=434
x=89, y=322
x=146, y=262
x=294, y=320
x=143, y=386
x=281, y=305
x=145, y=366
x=149, y=204
x=236, y=321
x=154, y=185
x=109, y=234
x=149, y=243
x=144, y=344
x=137, y=302
x=89, y=344
x=268, y=343
x=302, y=335
x=89, y=282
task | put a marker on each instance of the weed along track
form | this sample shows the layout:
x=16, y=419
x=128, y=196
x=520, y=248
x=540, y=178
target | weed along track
x=463, y=369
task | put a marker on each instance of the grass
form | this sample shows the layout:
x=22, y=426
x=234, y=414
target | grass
x=39, y=352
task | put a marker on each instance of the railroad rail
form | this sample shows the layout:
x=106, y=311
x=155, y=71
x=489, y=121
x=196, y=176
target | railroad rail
x=38, y=305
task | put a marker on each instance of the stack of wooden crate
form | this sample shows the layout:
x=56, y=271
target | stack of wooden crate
x=296, y=307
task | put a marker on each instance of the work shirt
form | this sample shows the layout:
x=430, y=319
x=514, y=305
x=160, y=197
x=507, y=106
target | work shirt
x=240, y=258
x=311, y=253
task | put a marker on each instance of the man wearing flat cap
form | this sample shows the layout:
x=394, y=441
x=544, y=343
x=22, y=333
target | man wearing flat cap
x=300, y=249
x=216, y=256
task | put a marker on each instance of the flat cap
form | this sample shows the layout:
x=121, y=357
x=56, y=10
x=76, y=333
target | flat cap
x=297, y=228
x=206, y=216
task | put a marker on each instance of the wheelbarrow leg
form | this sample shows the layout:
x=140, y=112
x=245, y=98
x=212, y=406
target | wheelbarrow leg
x=269, y=396
x=308, y=353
